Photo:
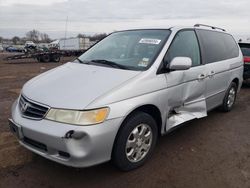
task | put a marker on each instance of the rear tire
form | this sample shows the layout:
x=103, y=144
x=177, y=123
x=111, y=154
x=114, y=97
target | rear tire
x=39, y=59
x=135, y=141
x=45, y=58
x=229, y=98
x=55, y=58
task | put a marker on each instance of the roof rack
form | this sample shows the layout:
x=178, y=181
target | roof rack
x=213, y=27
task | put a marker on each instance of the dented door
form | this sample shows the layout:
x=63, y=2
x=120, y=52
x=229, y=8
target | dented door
x=187, y=99
x=186, y=89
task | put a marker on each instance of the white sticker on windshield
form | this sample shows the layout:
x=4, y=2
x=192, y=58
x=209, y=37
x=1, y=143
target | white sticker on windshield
x=144, y=62
x=149, y=41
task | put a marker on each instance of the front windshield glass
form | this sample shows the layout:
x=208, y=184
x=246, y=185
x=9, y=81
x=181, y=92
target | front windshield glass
x=134, y=50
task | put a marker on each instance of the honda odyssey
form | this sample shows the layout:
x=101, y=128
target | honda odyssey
x=116, y=99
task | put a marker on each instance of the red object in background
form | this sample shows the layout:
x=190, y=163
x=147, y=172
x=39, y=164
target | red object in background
x=246, y=59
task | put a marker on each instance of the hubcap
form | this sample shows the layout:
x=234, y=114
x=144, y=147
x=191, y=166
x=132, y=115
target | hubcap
x=231, y=97
x=139, y=143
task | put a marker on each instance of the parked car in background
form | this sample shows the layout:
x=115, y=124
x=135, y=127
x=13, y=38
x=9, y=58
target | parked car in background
x=15, y=49
x=245, y=48
x=20, y=49
x=11, y=49
x=29, y=44
x=117, y=98
x=1, y=48
x=54, y=44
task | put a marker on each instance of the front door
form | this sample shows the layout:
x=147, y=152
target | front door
x=186, y=89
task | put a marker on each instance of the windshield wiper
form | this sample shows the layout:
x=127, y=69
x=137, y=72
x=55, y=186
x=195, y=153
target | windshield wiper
x=109, y=63
x=80, y=61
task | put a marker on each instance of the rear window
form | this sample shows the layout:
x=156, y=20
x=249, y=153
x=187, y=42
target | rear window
x=217, y=46
x=245, y=51
x=245, y=48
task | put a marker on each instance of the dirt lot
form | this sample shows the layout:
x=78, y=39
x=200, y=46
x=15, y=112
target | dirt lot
x=209, y=152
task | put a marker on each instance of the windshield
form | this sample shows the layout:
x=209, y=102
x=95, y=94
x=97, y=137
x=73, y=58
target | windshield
x=134, y=50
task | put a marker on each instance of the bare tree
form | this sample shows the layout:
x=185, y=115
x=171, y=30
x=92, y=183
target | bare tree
x=95, y=37
x=81, y=35
x=98, y=37
x=45, y=37
x=33, y=35
x=15, y=39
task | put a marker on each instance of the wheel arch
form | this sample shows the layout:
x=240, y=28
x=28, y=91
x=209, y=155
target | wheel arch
x=150, y=109
x=236, y=81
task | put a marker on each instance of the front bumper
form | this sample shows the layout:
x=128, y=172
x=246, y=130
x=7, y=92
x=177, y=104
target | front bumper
x=47, y=138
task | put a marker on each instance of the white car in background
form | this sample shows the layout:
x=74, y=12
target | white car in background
x=1, y=48
x=29, y=44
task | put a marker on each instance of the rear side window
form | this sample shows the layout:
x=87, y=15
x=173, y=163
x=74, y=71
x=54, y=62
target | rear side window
x=185, y=44
x=217, y=46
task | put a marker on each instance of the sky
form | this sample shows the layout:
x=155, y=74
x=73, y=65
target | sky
x=98, y=16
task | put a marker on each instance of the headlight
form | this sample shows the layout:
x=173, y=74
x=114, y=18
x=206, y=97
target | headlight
x=78, y=117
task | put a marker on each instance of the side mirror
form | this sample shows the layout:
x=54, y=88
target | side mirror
x=180, y=63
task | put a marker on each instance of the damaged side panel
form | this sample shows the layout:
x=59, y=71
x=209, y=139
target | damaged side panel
x=186, y=99
x=187, y=112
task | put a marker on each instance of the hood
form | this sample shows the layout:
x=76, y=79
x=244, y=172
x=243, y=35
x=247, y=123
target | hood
x=75, y=85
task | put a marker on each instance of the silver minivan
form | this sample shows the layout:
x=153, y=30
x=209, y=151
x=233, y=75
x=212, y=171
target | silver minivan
x=116, y=99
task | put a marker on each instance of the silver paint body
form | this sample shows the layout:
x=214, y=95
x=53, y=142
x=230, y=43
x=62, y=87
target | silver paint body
x=191, y=93
x=180, y=63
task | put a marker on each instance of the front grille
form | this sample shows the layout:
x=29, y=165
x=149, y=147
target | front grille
x=35, y=144
x=30, y=109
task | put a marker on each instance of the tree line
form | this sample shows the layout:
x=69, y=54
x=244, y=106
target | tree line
x=95, y=37
x=39, y=37
x=33, y=35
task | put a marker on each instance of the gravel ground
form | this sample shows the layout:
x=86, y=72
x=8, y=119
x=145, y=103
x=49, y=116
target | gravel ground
x=209, y=152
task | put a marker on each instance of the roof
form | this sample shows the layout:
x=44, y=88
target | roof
x=200, y=26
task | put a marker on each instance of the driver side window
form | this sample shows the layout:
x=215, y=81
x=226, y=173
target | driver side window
x=185, y=44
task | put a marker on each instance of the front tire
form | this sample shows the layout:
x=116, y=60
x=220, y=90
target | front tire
x=135, y=141
x=229, y=98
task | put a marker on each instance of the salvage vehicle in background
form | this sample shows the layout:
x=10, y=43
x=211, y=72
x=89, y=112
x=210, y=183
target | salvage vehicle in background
x=52, y=52
x=245, y=48
x=43, y=54
x=116, y=99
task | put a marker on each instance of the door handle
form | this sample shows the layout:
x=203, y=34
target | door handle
x=211, y=74
x=201, y=77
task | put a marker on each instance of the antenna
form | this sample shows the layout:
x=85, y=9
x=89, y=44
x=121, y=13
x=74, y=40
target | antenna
x=66, y=27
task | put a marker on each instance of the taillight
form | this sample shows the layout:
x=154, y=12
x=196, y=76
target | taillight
x=246, y=59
